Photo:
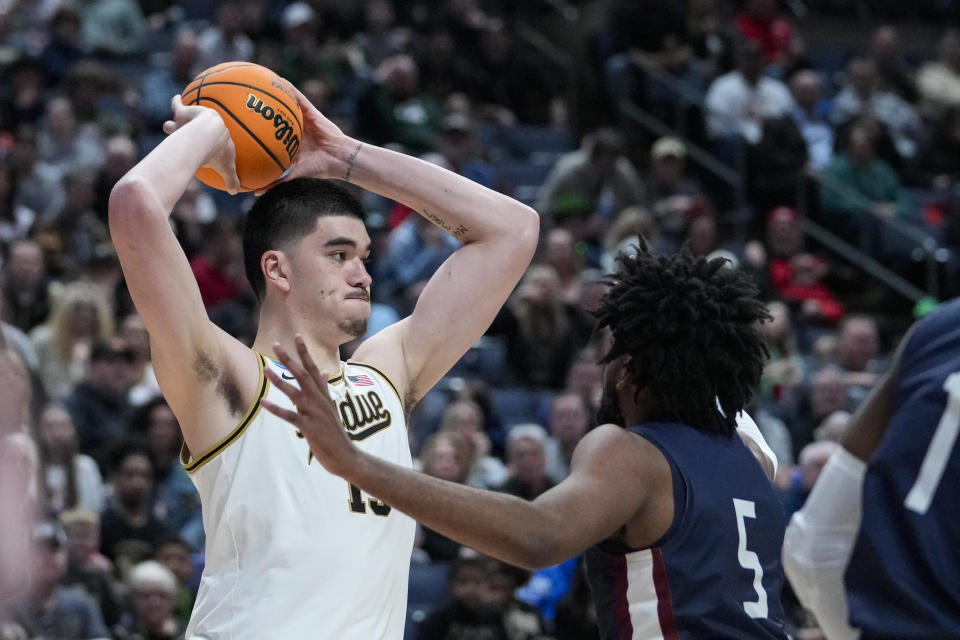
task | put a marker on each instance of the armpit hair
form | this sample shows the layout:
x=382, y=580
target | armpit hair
x=227, y=388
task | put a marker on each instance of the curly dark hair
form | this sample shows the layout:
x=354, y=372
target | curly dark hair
x=688, y=326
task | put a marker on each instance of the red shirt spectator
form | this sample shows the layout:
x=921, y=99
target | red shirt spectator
x=759, y=22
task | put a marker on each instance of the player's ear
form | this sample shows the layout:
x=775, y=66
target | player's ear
x=276, y=269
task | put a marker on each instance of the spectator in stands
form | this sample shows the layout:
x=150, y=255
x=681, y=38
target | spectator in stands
x=527, y=462
x=568, y=423
x=825, y=393
x=64, y=48
x=809, y=114
x=80, y=317
x=225, y=40
x=560, y=252
x=447, y=455
x=99, y=403
x=152, y=589
x=739, y=101
x=760, y=21
x=169, y=79
x=38, y=184
x=671, y=195
x=174, y=553
x=48, y=609
x=26, y=290
x=219, y=267
x=312, y=49
x=585, y=375
x=894, y=72
x=115, y=28
x=15, y=340
x=461, y=150
x=129, y=529
x=23, y=103
x=857, y=171
x=15, y=219
x=381, y=36
x=647, y=41
x=469, y=614
x=73, y=234
x=87, y=569
x=415, y=248
x=393, y=109
x=66, y=144
x=134, y=334
x=861, y=95
x=625, y=231
x=857, y=353
x=785, y=368
x=539, y=329
x=939, y=82
x=596, y=179
x=523, y=618
x=466, y=418
x=175, y=496
x=71, y=478
x=120, y=156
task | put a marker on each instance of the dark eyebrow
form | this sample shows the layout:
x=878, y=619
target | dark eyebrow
x=342, y=241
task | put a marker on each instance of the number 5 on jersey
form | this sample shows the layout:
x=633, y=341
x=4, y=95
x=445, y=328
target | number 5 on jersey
x=750, y=560
x=357, y=504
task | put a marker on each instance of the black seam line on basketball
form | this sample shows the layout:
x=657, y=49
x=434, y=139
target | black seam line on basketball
x=266, y=93
x=255, y=409
x=366, y=433
x=240, y=122
x=204, y=75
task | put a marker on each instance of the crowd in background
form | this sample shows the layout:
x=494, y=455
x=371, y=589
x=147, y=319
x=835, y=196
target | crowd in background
x=480, y=88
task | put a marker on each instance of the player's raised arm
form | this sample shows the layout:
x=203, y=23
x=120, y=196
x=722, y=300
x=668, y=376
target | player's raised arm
x=499, y=236
x=190, y=355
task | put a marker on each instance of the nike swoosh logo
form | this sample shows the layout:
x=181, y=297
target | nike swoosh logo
x=286, y=376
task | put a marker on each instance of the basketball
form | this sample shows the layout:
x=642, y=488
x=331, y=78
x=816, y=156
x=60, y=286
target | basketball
x=262, y=115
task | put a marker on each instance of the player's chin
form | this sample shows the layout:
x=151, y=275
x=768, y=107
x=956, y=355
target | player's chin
x=354, y=327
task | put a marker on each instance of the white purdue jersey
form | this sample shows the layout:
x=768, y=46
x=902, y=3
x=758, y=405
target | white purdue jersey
x=292, y=551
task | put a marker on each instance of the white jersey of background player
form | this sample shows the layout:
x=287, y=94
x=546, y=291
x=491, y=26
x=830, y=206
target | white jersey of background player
x=293, y=552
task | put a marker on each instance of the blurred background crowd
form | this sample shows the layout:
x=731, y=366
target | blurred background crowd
x=812, y=143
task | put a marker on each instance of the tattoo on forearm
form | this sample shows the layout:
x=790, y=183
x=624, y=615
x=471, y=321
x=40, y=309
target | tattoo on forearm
x=351, y=160
x=440, y=222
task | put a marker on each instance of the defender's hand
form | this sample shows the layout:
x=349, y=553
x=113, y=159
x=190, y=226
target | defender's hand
x=316, y=413
x=222, y=156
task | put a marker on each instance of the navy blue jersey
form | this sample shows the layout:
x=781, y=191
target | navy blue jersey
x=716, y=572
x=903, y=580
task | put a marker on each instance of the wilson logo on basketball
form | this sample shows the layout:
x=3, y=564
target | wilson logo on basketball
x=283, y=129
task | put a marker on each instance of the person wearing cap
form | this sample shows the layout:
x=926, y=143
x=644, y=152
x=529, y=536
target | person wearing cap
x=48, y=609
x=670, y=192
x=598, y=178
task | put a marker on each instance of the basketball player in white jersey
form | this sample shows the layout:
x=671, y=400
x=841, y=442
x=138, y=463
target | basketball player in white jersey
x=292, y=551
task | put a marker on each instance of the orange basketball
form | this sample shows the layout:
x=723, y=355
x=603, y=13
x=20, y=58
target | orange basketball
x=262, y=115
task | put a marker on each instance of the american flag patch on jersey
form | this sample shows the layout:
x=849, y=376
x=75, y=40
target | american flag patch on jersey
x=362, y=380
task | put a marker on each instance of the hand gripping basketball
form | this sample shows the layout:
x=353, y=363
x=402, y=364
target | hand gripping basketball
x=222, y=158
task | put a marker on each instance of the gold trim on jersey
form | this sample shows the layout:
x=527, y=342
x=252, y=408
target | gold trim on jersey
x=249, y=416
x=382, y=375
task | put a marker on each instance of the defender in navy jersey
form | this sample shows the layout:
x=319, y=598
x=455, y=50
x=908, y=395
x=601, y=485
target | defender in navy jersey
x=682, y=524
x=875, y=553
